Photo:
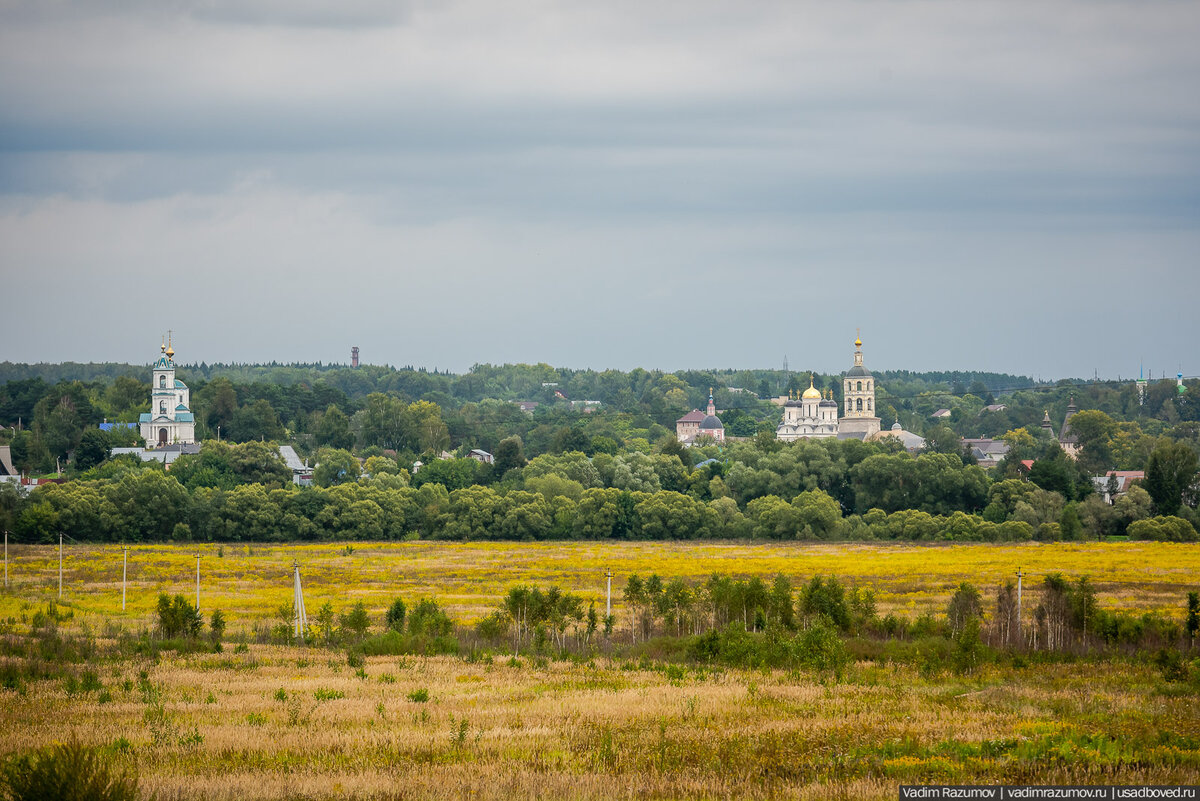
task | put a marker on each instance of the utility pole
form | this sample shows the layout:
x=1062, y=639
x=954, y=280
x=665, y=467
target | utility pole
x=608, y=603
x=124, y=572
x=301, y=617
x=60, y=565
x=6, y=559
x=197, y=582
x=1020, y=576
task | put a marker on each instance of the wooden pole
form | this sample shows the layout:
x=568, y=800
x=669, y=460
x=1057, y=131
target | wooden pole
x=124, y=573
x=197, y=582
x=6, y=559
x=60, y=536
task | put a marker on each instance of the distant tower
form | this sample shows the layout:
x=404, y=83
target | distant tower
x=858, y=389
x=1179, y=387
x=1141, y=386
x=354, y=356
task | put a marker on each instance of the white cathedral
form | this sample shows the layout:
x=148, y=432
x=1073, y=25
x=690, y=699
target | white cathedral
x=170, y=420
x=812, y=416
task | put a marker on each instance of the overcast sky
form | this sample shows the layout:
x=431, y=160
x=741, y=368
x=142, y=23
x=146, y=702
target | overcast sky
x=1009, y=186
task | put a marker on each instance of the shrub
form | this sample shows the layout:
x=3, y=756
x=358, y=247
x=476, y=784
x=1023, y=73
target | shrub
x=965, y=605
x=825, y=597
x=1172, y=665
x=893, y=626
x=419, y=696
x=494, y=627
x=822, y=650
x=90, y=682
x=393, y=643
x=216, y=628
x=428, y=619
x=356, y=621
x=1167, y=529
x=968, y=648
x=66, y=771
x=395, y=616
x=177, y=617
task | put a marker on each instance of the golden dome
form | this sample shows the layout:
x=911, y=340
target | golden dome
x=811, y=392
x=858, y=343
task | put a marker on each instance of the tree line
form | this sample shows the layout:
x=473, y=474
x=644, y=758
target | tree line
x=416, y=412
x=813, y=491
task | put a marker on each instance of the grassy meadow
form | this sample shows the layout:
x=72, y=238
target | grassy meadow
x=260, y=721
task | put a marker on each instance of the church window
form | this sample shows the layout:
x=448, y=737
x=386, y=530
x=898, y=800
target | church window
x=868, y=386
x=869, y=405
x=858, y=405
x=162, y=407
x=162, y=381
x=859, y=388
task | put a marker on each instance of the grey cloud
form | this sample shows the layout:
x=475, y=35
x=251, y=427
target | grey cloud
x=284, y=13
x=977, y=181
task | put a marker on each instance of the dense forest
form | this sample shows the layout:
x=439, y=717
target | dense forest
x=608, y=468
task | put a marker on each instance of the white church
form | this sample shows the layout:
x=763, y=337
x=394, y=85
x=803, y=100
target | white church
x=813, y=416
x=170, y=420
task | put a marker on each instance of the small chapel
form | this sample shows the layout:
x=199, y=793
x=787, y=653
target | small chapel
x=697, y=424
x=170, y=420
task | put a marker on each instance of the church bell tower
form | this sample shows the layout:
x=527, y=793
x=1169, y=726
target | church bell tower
x=858, y=389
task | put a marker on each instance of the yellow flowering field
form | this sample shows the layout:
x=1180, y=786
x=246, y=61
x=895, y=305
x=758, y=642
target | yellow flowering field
x=249, y=582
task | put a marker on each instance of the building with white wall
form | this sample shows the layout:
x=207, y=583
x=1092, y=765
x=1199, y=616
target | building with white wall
x=170, y=420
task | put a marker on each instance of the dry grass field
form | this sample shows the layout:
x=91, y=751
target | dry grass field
x=279, y=722
x=271, y=722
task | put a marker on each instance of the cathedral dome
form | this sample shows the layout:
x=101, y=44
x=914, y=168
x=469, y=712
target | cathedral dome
x=812, y=393
x=828, y=402
x=858, y=371
x=710, y=422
